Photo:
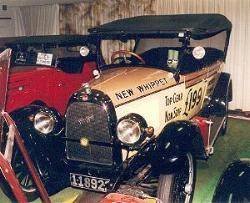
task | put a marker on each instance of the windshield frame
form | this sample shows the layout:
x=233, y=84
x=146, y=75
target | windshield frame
x=183, y=36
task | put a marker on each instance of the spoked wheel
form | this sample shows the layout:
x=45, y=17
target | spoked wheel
x=179, y=186
x=223, y=129
x=24, y=177
x=225, y=122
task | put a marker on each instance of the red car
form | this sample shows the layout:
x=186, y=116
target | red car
x=44, y=72
x=52, y=64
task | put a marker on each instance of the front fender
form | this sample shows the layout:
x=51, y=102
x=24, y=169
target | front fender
x=42, y=147
x=24, y=124
x=175, y=140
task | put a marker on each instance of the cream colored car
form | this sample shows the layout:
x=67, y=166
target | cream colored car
x=156, y=105
x=158, y=101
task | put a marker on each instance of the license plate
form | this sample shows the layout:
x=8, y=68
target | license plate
x=89, y=182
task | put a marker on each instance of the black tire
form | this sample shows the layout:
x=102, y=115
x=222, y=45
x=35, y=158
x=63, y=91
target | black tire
x=6, y=189
x=24, y=178
x=234, y=183
x=178, y=187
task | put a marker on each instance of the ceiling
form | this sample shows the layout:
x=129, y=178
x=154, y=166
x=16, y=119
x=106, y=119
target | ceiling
x=38, y=2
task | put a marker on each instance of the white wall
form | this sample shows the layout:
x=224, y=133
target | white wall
x=7, y=26
x=29, y=20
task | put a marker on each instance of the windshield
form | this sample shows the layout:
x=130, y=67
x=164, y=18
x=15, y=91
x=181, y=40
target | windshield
x=67, y=58
x=164, y=53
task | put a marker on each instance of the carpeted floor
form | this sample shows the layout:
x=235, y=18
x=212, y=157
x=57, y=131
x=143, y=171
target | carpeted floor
x=234, y=145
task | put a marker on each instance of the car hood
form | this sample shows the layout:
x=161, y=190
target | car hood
x=130, y=83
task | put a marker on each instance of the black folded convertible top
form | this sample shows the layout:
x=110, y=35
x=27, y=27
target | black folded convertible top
x=46, y=40
x=199, y=25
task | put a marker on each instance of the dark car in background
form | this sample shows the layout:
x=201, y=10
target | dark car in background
x=234, y=183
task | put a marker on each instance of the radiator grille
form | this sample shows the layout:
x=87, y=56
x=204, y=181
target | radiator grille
x=84, y=119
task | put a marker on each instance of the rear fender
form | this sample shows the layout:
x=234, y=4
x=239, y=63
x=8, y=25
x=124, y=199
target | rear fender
x=223, y=89
x=221, y=96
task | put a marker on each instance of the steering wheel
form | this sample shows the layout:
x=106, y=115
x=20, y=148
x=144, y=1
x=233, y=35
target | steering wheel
x=124, y=53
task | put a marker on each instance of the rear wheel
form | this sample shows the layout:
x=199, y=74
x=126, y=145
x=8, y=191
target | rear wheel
x=179, y=186
x=225, y=122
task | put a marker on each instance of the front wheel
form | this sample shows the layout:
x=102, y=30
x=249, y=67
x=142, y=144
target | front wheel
x=179, y=186
x=24, y=177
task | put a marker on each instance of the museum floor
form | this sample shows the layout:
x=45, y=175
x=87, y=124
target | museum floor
x=234, y=145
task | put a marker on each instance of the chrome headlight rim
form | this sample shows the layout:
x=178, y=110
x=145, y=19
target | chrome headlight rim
x=137, y=121
x=44, y=122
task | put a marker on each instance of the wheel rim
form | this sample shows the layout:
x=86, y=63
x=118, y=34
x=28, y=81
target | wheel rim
x=185, y=181
x=22, y=173
x=224, y=125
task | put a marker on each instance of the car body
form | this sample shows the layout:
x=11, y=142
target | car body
x=34, y=81
x=234, y=183
x=141, y=124
x=51, y=82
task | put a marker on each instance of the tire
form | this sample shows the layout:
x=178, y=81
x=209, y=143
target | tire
x=234, y=183
x=179, y=186
x=23, y=176
x=6, y=189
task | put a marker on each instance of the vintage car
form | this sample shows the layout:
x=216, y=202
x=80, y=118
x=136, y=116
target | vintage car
x=47, y=70
x=12, y=135
x=234, y=183
x=155, y=106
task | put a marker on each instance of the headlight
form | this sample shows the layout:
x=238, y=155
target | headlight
x=44, y=122
x=130, y=129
